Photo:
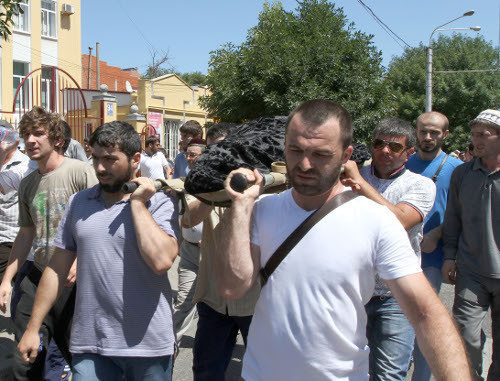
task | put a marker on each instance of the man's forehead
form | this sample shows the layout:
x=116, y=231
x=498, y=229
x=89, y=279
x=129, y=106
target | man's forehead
x=194, y=148
x=39, y=129
x=391, y=138
x=106, y=150
x=431, y=121
x=479, y=127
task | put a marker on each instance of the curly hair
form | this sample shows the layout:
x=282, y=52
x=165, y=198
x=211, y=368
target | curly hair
x=52, y=123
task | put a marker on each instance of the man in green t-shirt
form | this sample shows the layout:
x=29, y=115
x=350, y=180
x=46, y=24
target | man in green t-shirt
x=42, y=198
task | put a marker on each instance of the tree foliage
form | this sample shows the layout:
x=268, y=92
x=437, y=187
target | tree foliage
x=459, y=96
x=291, y=57
x=194, y=78
x=9, y=8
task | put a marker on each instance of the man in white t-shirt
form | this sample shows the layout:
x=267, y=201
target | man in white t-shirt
x=310, y=321
x=153, y=163
x=410, y=198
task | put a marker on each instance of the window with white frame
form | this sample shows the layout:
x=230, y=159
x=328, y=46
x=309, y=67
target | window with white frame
x=22, y=20
x=20, y=71
x=49, y=18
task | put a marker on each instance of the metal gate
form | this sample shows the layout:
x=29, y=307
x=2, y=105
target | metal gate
x=172, y=137
x=55, y=90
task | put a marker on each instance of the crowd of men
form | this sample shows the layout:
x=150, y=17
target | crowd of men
x=355, y=297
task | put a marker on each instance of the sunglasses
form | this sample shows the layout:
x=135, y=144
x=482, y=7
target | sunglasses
x=393, y=146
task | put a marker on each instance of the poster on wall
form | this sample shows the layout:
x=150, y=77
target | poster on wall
x=155, y=119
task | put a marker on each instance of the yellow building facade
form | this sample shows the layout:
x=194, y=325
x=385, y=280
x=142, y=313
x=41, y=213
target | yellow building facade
x=48, y=33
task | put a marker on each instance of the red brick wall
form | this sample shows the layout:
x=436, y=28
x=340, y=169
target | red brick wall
x=108, y=75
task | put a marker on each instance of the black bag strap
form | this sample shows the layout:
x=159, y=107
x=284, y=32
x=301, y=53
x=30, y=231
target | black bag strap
x=435, y=177
x=295, y=237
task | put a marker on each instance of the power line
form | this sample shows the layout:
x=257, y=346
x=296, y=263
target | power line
x=93, y=71
x=384, y=26
x=136, y=27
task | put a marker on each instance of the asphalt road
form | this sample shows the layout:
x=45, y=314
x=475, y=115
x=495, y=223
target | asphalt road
x=182, y=368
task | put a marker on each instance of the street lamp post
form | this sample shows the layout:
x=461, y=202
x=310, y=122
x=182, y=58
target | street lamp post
x=428, y=77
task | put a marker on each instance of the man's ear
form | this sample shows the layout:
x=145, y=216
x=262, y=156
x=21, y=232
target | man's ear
x=445, y=134
x=410, y=152
x=347, y=154
x=135, y=160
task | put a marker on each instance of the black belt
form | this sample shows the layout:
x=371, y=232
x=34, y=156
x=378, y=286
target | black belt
x=192, y=243
x=6, y=244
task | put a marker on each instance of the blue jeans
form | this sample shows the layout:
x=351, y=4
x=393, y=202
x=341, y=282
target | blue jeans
x=422, y=372
x=93, y=367
x=390, y=338
x=214, y=342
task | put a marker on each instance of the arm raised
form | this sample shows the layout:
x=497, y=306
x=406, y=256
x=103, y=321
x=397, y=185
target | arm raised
x=238, y=261
x=157, y=248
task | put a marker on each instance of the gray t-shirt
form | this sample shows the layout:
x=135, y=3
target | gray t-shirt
x=409, y=188
x=42, y=198
x=122, y=307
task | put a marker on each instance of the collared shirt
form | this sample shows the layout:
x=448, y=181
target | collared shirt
x=152, y=166
x=10, y=177
x=206, y=288
x=122, y=307
x=472, y=219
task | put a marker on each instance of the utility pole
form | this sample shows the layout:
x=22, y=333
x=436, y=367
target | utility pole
x=90, y=68
x=98, y=78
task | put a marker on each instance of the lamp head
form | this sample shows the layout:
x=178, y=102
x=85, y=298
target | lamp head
x=469, y=13
x=476, y=28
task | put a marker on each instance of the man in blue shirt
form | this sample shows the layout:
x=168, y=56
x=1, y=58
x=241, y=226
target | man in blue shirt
x=432, y=162
x=189, y=130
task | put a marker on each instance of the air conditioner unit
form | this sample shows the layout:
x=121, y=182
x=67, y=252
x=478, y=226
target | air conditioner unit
x=68, y=9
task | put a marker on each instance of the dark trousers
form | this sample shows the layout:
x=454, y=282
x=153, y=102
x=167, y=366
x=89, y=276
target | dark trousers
x=57, y=326
x=474, y=295
x=4, y=257
x=214, y=342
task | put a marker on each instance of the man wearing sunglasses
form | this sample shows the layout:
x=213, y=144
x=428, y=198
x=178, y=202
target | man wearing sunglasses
x=410, y=197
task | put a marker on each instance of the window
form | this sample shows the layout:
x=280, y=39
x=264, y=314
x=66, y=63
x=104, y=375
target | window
x=21, y=21
x=49, y=18
x=21, y=70
x=47, y=88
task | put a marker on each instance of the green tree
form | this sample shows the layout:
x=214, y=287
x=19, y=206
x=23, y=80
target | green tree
x=459, y=96
x=9, y=8
x=290, y=57
x=194, y=78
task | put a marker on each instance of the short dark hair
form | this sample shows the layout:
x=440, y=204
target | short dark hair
x=192, y=127
x=151, y=140
x=197, y=142
x=397, y=127
x=86, y=139
x=50, y=122
x=220, y=130
x=67, y=135
x=117, y=134
x=316, y=112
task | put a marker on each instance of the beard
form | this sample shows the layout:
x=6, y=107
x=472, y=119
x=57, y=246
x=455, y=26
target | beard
x=116, y=185
x=323, y=181
x=430, y=147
